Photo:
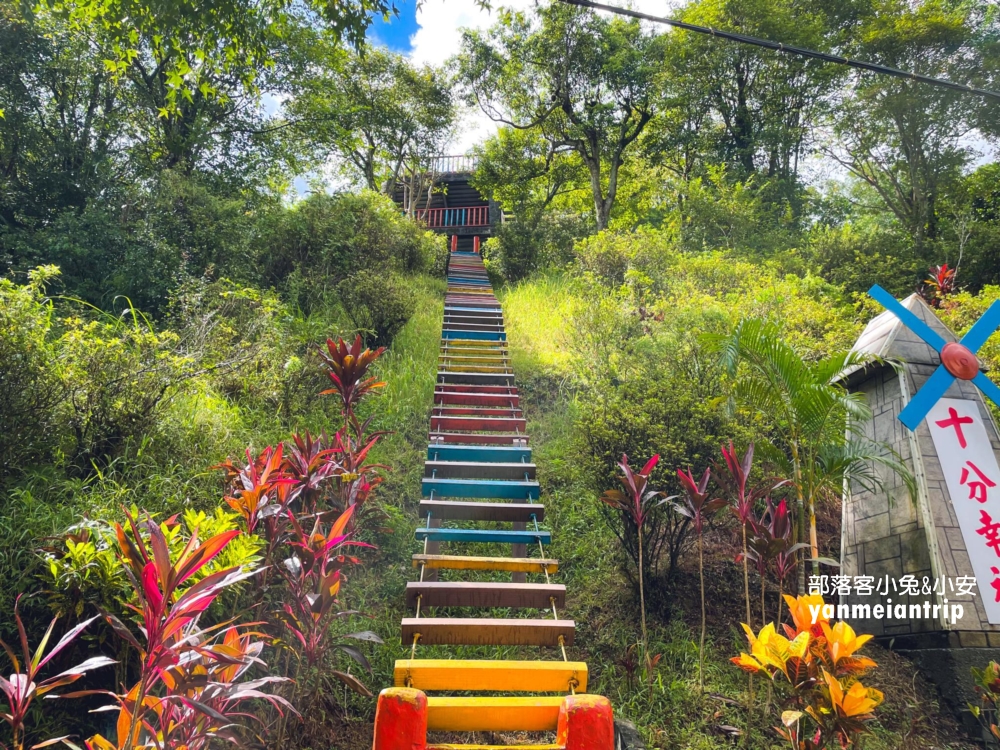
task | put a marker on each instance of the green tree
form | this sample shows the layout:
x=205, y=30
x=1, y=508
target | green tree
x=585, y=83
x=382, y=116
x=906, y=140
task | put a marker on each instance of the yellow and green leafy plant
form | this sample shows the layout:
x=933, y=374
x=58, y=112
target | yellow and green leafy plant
x=817, y=666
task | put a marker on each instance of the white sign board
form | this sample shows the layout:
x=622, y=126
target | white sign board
x=973, y=479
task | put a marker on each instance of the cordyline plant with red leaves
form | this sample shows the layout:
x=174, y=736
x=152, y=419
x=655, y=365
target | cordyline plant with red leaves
x=176, y=655
x=348, y=367
x=636, y=503
x=314, y=575
x=697, y=504
x=309, y=464
x=940, y=284
x=24, y=685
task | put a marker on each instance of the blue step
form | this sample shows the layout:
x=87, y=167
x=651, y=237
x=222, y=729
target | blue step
x=468, y=280
x=483, y=535
x=480, y=488
x=478, y=454
x=481, y=335
x=463, y=308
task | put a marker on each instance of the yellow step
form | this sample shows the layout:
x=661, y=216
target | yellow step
x=449, y=714
x=506, y=676
x=464, y=562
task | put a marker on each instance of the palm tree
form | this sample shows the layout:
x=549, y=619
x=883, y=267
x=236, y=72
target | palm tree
x=817, y=421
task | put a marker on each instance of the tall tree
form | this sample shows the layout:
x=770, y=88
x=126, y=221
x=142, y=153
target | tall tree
x=584, y=82
x=381, y=115
x=907, y=140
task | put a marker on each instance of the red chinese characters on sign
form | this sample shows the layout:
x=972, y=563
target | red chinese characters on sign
x=956, y=421
x=991, y=530
x=977, y=488
x=972, y=476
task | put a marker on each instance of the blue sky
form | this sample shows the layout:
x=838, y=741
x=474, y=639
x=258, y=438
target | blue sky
x=396, y=33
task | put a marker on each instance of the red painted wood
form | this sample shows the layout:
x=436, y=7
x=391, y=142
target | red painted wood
x=476, y=424
x=452, y=438
x=460, y=216
x=476, y=399
x=465, y=388
x=401, y=720
x=586, y=722
x=472, y=411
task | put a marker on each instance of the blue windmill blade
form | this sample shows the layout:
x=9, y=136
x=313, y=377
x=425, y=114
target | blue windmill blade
x=983, y=329
x=910, y=320
x=988, y=387
x=924, y=399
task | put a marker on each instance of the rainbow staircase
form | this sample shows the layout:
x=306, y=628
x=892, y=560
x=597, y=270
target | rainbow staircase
x=478, y=472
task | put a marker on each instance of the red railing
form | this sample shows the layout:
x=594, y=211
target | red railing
x=467, y=216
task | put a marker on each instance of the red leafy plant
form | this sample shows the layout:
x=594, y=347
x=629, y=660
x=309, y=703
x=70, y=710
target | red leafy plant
x=940, y=284
x=314, y=573
x=25, y=685
x=635, y=504
x=348, y=367
x=697, y=504
x=177, y=657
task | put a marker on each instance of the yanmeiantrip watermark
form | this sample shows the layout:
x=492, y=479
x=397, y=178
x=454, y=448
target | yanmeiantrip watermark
x=908, y=585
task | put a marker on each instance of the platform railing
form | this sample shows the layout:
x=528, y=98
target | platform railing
x=463, y=216
x=459, y=163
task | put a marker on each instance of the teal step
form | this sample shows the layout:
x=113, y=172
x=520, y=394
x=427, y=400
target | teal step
x=480, y=488
x=478, y=454
x=483, y=535
x=478, y=335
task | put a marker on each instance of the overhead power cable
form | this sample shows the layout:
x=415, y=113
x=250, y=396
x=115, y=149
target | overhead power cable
x=789, y=49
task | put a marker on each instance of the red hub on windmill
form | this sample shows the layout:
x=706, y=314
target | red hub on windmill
x=959, y=361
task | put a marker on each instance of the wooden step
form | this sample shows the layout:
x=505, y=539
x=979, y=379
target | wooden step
x=436, y=746
x=485, y=594
x=476, y=399
x=469, y=562
x=451, y=714
x=500, y=454
x=484, y=335
x=476, y=410
x=470, y=470
x=474, y=359
x=483, y=536
x=478, y=424
x=485, y=631
x=471, y=438
x=499, y=676
x=459, y=310
x=463, y=367
x=472, y=327
x=478, y=511
x=510, y=390
x=484, y=488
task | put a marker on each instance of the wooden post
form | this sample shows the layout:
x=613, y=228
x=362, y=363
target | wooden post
x=519, y=550
x=475, y=244
x=433, y=548
x=454, y=243
x=401, y=720
x=586, y=722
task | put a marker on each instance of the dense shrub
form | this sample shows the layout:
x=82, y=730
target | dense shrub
x=526, y=244
x=30, y=388
x=378, y=304
x=326, y=238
